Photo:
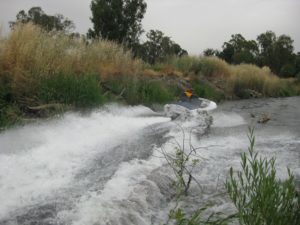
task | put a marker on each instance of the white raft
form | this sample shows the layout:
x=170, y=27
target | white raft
x=192, y=114
x=186, y=109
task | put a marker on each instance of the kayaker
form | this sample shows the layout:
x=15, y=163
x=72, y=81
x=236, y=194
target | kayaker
x=189, y=93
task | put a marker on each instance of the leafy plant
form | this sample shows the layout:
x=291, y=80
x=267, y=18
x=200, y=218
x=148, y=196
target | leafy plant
x=138, y=90
x=78, y=90
x=204, y=90
x=182, y=162
x=258, y=195
x=198, y=218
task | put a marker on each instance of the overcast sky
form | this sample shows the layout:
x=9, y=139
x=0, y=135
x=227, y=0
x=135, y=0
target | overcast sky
x=194, y=24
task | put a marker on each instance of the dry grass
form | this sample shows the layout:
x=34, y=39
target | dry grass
x=150, y=73
x=215, y=67
x=30, y=53
x=250, y=77
x=207, y=66
x=243, y=80
x=185, y=64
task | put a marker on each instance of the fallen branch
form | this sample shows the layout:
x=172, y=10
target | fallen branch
x=109, y=89
x=45, y=107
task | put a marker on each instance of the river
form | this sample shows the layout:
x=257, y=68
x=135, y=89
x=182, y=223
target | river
x=106, y=166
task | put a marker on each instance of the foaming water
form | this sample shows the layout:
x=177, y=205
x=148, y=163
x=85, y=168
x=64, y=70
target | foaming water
x=221, y=147
x=38, y=160
x=227, y=119
x=124, y=198
x=107, y=167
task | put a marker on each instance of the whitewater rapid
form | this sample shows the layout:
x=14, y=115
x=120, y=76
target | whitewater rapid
x=41, y=162
x=106, y=166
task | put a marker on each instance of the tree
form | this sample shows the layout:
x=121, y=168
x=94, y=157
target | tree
x=159, y=47
x=210, y=52
x=266, y=42
x=37, y=16
x=227, y=52
x=277, y=53
x=297, y=63
x=239, y=50
x=117, y=20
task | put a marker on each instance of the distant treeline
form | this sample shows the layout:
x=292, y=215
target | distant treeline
x=276, y=52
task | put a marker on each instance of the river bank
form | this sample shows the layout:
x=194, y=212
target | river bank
x=42, y=74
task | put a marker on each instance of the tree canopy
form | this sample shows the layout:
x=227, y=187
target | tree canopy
x=211, y=52
x=277, y=53
x=159, y=47
x=117, y=20
x=268, y=50
x=239, y=50
x=37, y=16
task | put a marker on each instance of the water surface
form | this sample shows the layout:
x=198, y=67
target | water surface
x=105, y=167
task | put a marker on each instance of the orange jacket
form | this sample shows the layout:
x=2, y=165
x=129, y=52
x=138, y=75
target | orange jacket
x=188, y=93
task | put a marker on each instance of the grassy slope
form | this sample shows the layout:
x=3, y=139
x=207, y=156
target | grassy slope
x=42, y=73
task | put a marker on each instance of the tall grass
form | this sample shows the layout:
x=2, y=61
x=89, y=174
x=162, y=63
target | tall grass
x=186, y=64
x=143, y=90
x=208, y=66
x=76, y=90
x=250, y=77
x=242, y=81
x=29, y=55
x=206, y=90
x=38, y=68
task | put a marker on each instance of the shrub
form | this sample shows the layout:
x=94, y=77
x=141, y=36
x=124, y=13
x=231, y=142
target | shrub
x=198, y=218
x=139, y=90
x=155, y=92
x=9, y=112
x=257, y=194
x=288, y=70
x=5, y=90
x=298, y=77
x=251, y=78
x=186, y=64
x=206, y=91
x=207, y=66
x=9, y=115
x=77, y=90
x=213, y=66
